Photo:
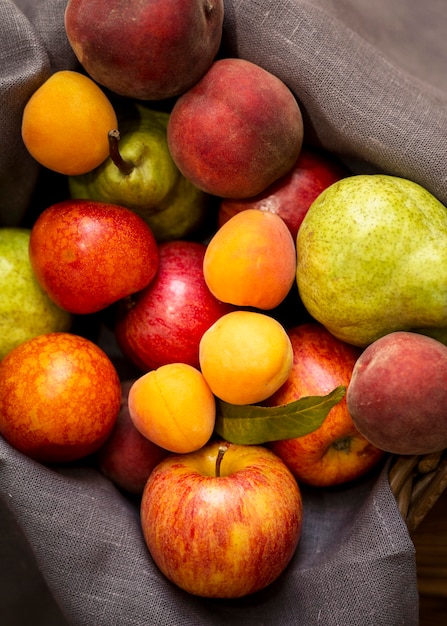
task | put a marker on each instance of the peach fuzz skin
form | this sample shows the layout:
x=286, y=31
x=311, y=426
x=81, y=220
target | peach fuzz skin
x=251, y=260
x=173, y=407
x=236, y=131
x=398, y=393
x=145, y=50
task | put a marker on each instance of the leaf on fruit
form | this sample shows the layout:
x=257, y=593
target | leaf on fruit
x=255, y=425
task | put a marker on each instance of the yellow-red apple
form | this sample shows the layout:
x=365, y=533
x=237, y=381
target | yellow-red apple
x=336, y=452
x=222, y=526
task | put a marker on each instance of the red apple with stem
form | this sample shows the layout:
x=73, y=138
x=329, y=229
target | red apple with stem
x=88, y=254
x=222, y=522
x=336, y=452
x=291, y=195
x=164, y=323
x=127, y=457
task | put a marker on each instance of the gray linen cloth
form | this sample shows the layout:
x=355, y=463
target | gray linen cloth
x=371, y=80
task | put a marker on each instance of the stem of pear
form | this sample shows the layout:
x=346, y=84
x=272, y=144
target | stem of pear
x=125, y=167
x=220, y=453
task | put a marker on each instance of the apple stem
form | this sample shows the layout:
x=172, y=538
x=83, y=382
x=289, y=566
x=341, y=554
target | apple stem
x=220, y=454
x=125, y=167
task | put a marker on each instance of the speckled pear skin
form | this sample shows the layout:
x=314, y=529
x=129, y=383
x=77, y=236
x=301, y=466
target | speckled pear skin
x=372, y=259
x=25, y=309
x=142, y=143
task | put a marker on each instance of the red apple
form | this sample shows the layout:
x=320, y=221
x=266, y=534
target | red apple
x=146, y=50
x=398, y=393
x=236, y=131
x=291, y=195
x=336, y=452
x=59, y=397
x=222, y=533
x=126, y=457
x=165, y=322
x=87, y=254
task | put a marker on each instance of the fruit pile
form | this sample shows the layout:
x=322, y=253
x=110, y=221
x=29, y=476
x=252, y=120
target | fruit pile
x=283, y=319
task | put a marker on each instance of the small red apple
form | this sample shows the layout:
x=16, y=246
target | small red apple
x=398, y=393
x=126, y=457
x=59, y=397
x=165, y=322
x=222, y=522
x=88, y=254
x=291, y=195
x=336, y=452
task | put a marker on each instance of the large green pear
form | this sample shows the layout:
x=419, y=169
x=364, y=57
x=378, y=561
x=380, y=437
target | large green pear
x=25, y=309
x=372, y=259
x=141, y=175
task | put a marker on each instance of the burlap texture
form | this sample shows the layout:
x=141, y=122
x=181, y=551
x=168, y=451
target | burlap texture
x=372, y=84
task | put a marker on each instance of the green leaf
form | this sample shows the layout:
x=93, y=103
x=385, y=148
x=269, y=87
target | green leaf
x=254, y=425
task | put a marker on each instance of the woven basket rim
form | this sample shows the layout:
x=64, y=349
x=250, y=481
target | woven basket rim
x=417, y=482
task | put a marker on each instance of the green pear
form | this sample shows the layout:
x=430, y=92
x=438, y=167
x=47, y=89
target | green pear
x=25, y=309
x=372, y=259
x=180, y=213
x=141, y=175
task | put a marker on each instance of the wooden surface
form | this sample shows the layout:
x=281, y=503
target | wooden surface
x=430, y=540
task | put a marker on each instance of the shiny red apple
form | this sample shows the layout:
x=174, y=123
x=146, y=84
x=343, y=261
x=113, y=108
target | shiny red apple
x=336, y=452
x=165, y=322
x=291, y=195
x=87, y=254
x=222, y=531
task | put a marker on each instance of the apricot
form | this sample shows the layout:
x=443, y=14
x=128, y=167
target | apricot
x=251, y=260
x=60, y=396
x=65, y=123
x=173, y=407
x=127, y=458
x=245, y=357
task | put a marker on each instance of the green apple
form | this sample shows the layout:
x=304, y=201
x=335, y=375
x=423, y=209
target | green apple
x=372, y=259
x=140, y=175
x=25, y=309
